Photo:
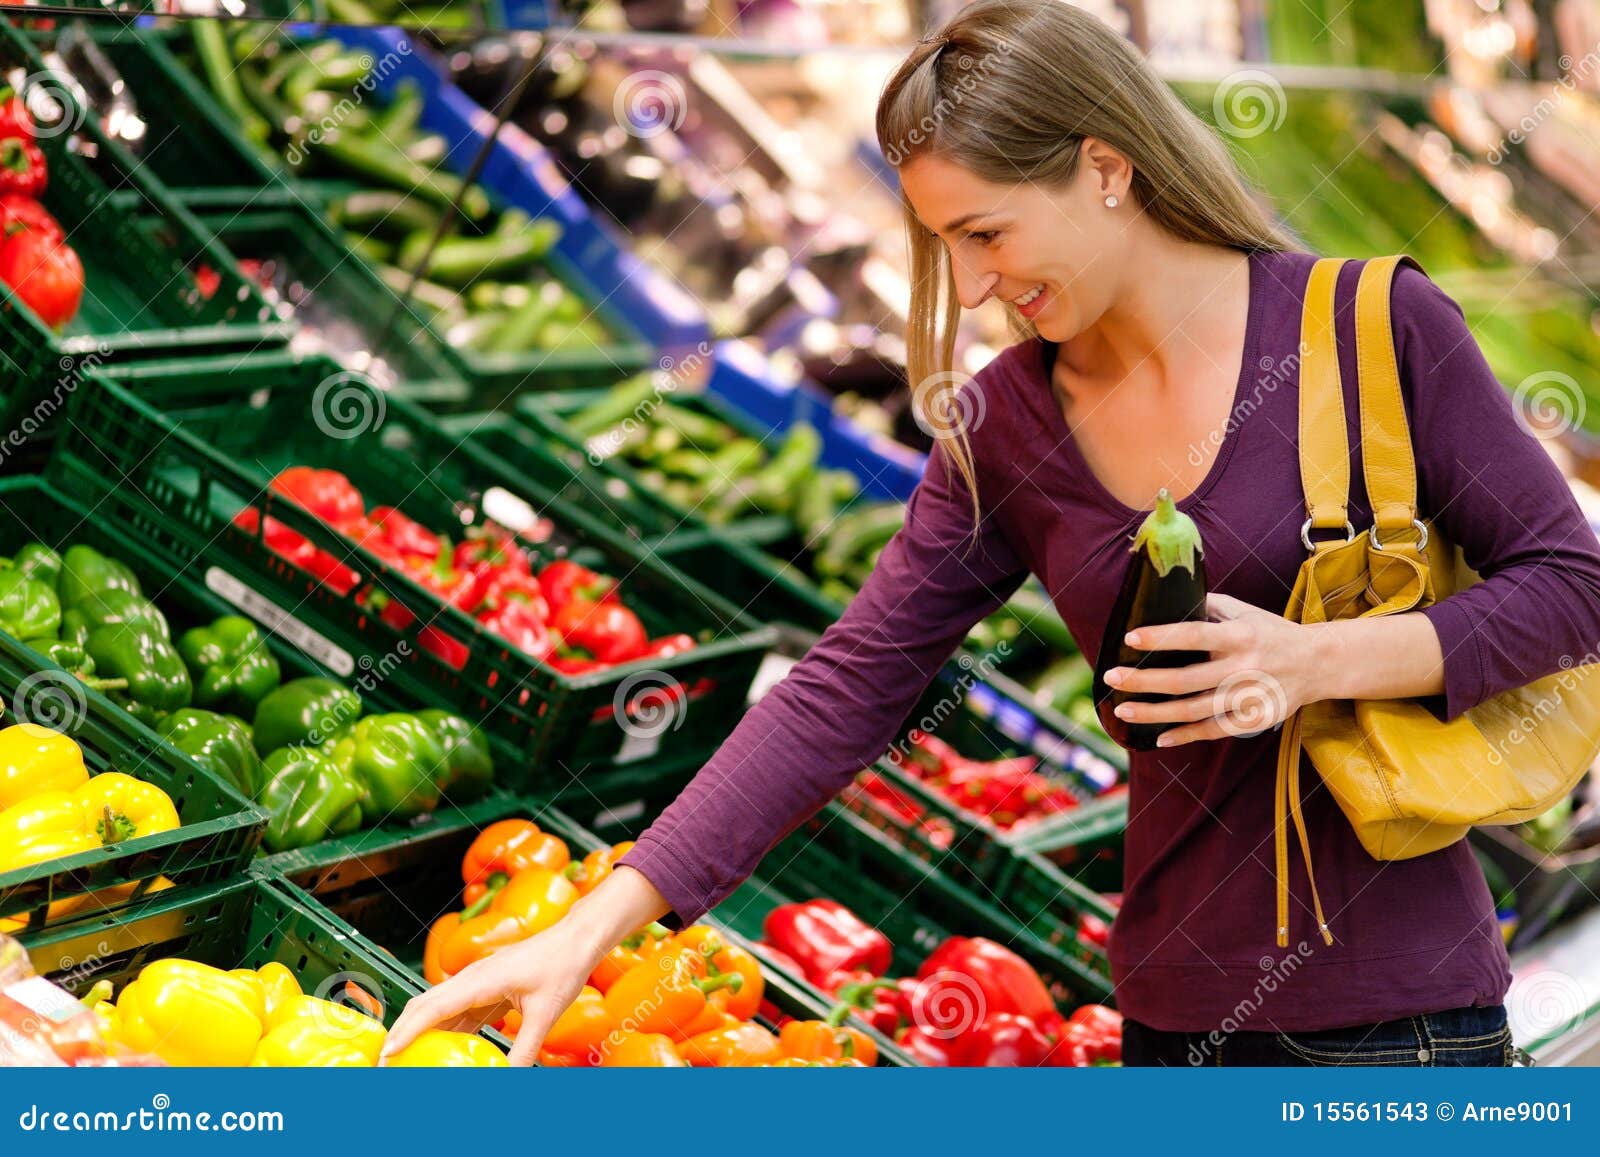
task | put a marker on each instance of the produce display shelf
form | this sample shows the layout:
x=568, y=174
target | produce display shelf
x=838, y=854
x=175, y=438
x=220, y=829
x=243, y=923
x=522, y=174
x=1549, y=887
x=393, y=889
x=140, y=257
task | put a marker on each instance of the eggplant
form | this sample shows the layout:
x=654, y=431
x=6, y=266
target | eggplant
x=1165, y=583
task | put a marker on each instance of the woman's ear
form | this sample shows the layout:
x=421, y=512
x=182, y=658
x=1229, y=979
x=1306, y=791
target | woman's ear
x=1107, y=170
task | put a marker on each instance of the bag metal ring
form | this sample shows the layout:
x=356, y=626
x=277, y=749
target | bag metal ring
x=1422, y=535
x=1305, y=533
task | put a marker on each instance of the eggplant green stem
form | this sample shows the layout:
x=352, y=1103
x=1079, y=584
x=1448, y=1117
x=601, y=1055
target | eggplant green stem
x=1169, y=535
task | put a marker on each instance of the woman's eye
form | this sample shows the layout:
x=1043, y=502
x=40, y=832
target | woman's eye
x=984, y=238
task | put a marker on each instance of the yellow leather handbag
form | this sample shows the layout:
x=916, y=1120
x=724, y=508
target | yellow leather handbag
x=1408, y=783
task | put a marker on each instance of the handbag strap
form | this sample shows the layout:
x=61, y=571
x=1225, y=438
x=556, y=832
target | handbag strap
x=1324, y=444
x=1387, y=460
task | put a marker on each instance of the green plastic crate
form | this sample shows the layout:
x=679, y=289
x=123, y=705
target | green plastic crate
x=140, y=296
x=30, y=509
x=394, y=889
x=341, y=305
x=838, y=854
x=244, y=923
x=230, y=424
x=191, y=145
x=220, y=829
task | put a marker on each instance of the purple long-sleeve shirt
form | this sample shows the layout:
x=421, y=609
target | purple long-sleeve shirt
x=1193, y=947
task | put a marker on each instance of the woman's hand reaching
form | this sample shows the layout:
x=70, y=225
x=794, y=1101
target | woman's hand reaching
x=540, y=976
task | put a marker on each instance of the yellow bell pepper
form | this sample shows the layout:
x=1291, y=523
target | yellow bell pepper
x=45, y=826
x=438, y=1048
x=25, y=851
x=35, y=759
x=118, y=807
x=304, y=1042
x=189, y=1013
x=335, y=1022
x=278, y=984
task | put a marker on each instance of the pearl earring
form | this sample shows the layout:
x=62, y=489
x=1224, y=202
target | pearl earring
x=1111, y=201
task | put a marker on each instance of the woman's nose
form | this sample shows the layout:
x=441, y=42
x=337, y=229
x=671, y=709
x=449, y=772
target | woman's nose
x=973, y=286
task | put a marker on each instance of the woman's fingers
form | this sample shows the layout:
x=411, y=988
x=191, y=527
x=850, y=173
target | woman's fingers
x=447, y=1003
x=538, y=1014
x=1171, y=680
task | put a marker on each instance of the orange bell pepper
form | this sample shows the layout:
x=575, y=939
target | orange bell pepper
x=432, y=972
x=550, y=1060
x=667, y=994
x=537, y=896
x=798, y=1063
x=739, y=1045
x=626, y=955
x=745, y=1002
x=473, y=939
x=596, y=866
x=643, y=1050
x=583, y=1029
x=827, y=1040
x=503, y=849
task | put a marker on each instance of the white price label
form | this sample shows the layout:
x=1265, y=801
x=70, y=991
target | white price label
x=279, y=621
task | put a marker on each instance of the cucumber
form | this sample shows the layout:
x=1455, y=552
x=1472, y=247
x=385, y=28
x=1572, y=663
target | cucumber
x=731, y=463
x=620, y=402
x=514, y=335
x=385, y=211
x=399, y=117
x=211, y=46
x=686, y=463
x=857, y=534
x=380, y=162
x=515, y=243
x=703, y=431
x=1040, y=620
x=428, y=294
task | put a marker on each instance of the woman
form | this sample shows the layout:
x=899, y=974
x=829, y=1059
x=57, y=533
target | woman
x=1044, y=164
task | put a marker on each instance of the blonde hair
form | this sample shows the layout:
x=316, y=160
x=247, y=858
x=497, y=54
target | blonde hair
x=1007, y=90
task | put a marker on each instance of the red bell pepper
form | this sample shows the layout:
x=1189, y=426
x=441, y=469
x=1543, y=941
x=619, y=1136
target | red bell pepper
x=299, y=550
x=394, y=537
x=1093, y=930
x=605, y=632
x=509, y=586
x=326, y=493
x=874, y=1000
x=824, y=936
x=1092, y=1035
x=563, y=581
x=15, y=119
x=488, y=551
x=667, y=646
x=1007, y=982
x=1004, y=1040
x=43, y=271
x=518, y=623
x=19, y=212
x=929, y=1048
x=22, y=167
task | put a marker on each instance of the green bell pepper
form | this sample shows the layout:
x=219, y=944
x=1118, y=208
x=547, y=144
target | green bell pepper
x=38, y=561
x=29, y=608
x=158, y=681
x=112, y=605
x=85, y=572
x=307, y=798
x=312, y=711
x=220, y=743
x=230, y=664
x=396, y=759
x=468, y=768
x=76, y=662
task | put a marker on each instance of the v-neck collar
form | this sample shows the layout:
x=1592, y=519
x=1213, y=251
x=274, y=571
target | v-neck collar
x=1037, y=366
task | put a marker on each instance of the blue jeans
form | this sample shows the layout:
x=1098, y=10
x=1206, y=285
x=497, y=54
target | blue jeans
x=1476, y=1036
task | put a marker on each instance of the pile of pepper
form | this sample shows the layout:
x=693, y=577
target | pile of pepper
x=189, y=1013
x=658, y=999
x=972, y=1002
x=302, y=750
x=567, y=616
x=35, y=259
x=1008, y=793
x=50, y=806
